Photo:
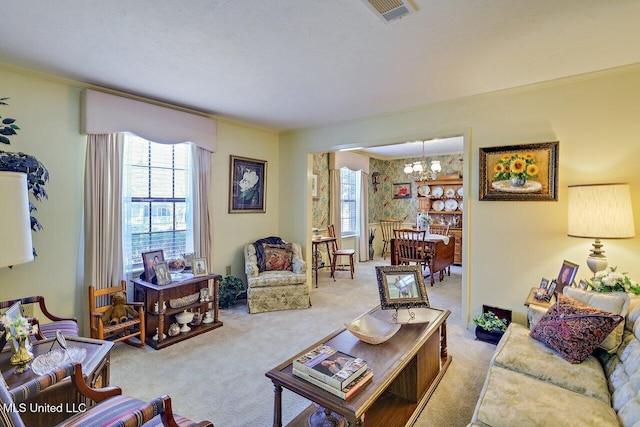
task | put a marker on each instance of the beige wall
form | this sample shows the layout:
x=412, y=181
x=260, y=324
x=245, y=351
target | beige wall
x=48, y=111
x=510, y=245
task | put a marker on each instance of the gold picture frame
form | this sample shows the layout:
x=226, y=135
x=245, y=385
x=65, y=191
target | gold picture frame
x=200, y=267
x=526, y=172
x=401, y=286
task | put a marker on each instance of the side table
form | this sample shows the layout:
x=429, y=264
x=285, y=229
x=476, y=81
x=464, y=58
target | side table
x=531, y=300
x=62, y=395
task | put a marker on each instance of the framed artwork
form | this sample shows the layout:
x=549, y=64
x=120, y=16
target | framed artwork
x=314, y=186
x=583, y=285
x=567, y=274
x=204, y=294
x=248, y=185
x=200, y=267
x=541, y=292
x=519, y=172
x=401, y=286
x=162, y=272
x=402, y=190
x=149, y=260
x=551, y=289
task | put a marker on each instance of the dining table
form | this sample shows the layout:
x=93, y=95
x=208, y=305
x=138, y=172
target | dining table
x=442, y=249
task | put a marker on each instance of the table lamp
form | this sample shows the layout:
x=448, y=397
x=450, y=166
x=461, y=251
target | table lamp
x=600, y=211
x=15, y=220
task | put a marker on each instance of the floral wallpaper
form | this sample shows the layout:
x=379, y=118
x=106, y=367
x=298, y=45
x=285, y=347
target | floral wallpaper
x=321, y=203
x=381, y=202
x=382, y=205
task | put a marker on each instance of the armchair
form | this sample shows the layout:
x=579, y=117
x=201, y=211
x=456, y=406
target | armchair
x=67, y=325
x=111, y=409
x=276, y=276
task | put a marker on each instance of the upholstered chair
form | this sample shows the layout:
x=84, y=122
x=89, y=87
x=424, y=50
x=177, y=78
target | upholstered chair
x=276, y=276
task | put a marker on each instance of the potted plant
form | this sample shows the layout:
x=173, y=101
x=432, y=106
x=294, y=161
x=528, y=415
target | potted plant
x=230, y=288
x=490, y=327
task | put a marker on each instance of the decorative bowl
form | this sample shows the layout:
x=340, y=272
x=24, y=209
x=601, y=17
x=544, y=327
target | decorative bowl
x=183, y=301
x=184, y=318
x=57, y=358
x=371, y=330
x=176, y=265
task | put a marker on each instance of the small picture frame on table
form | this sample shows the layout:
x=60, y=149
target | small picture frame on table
x=149, y=259
x=542, y=291
x=162, y=273
x=567, y=274
x=583, y=285
x=551, y=290
x=204, y=295
x=401, y=287
x=200, y=267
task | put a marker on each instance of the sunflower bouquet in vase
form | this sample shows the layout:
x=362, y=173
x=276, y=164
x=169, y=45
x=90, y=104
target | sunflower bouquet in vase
x=516, y=168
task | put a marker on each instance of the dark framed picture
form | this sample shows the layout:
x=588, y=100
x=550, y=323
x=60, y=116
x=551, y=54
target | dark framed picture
x=248, y=185
x=162, y=272
x=149, y=260
x=544, y=283
x=567, y=274
x=519, y=172
x=200, y=267
x=551, y=289
x=402, y=190
x=401, y=286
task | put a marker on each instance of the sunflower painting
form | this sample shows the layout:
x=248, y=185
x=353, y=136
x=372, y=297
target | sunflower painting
x=519, y=172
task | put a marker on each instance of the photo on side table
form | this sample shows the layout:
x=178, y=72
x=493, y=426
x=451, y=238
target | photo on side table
x=149, y=260
x=199, y=267
x=401, y=287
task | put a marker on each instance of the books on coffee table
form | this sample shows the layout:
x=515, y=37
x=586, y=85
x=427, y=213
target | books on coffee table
x=347, y=392
x=330, y=366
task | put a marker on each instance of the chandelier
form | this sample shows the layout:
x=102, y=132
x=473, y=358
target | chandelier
x=421, y=170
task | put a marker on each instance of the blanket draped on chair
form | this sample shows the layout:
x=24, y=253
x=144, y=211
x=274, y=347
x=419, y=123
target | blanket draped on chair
x=258, y=244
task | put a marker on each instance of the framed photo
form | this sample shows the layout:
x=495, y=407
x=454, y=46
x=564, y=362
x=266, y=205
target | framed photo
x=551, y=289
x=12, y=312
x=200, y=267
x=583, y=285
x=204, y=294
x=567, y=274
x=402, y=190
x=314, y=186
x=248, y=185
x=162, y=272
x=519, y=172
x=149, y=260
x=188, y=260
x=544, y=283
x=541, y=292
x=401, y=286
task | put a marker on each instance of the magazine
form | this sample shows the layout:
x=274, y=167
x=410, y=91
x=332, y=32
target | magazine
x=348, y=391
x=330, y=366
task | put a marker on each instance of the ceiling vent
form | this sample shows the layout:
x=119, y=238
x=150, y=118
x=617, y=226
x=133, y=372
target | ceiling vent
x=389, y=10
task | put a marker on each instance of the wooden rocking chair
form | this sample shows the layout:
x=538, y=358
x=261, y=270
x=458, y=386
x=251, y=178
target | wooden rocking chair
x=99, y=303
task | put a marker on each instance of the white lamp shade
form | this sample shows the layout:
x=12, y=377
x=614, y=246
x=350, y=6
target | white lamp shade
x=600, y=211
x=15, y=220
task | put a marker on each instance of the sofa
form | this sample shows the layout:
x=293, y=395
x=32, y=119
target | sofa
x=531, y=384
x=276, y=276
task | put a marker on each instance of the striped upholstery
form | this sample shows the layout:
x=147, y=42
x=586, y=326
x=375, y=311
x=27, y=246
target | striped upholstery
x=36, y=385
x=121, y=411
x=69, y=328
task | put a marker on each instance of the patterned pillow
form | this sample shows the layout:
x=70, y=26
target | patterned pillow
x=278, y=257
x=574, y=329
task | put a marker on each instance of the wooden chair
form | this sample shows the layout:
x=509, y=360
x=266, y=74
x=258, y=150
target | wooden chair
x=111, y=408
x=387, y=226
x=439, y=229
x=411, y=247
x=337, y=252
x=99, y=302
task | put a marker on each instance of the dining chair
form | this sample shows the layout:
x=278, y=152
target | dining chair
x=439, y=229
x=411, y=247
x=337, y=252
x=387, y=226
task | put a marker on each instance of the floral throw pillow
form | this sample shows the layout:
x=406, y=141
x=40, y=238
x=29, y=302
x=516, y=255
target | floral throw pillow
x=574, y=329
x=278, y=257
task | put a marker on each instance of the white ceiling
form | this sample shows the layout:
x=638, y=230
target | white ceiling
x=286, y=64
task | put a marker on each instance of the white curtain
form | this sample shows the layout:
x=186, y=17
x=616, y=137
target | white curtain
x=203, y=219
x=103, y=211
x=335, y=204
x=363, y=216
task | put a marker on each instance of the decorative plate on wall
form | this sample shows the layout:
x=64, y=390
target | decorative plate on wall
x=450, y=192
x=437, y=191
x=460, y=192
x=423, y=190
x=438, y=205
x=450, y=205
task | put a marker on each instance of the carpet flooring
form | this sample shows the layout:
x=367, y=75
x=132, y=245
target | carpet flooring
x=220, y=375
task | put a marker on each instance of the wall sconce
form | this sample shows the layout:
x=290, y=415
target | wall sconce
x=600, y=211
x=375, y=181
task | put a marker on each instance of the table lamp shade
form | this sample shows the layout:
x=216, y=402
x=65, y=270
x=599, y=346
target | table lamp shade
x=15, y=220
x=600, y=211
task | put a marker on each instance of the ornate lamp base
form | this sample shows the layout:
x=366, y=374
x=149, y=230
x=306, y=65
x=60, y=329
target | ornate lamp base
x=21, y=357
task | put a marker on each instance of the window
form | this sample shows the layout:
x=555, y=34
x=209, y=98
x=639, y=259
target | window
x=348, y=193
x=157, y=202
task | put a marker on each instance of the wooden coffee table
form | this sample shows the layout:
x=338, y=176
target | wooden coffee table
x=406, y=370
